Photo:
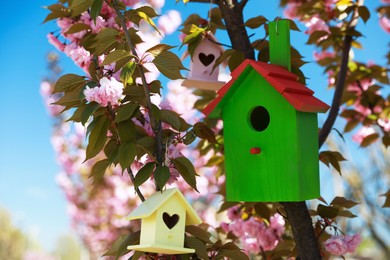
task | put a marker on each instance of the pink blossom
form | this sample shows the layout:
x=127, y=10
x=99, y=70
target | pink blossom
x=384, y=22
x=362, y=133
x=322, y=55
x=384, y=123
x=130, y=2
x=316, y=24
x=277, y=223
x=234, y=213
x=385, y=1
x=55, y=42
x=251, y=245
x=267, y=239
x=158, y=4
x=291, y=11
x=79, y=55
x=352, y=242
x=253, y=227
x=336, y=245
x=168, y=23
x=109, y=91
x=237, y=228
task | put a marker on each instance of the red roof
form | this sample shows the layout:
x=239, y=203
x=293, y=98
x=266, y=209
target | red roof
x=285, y=82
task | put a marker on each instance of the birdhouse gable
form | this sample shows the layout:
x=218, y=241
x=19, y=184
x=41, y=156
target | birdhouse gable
x=158, y=199
x=285, y=82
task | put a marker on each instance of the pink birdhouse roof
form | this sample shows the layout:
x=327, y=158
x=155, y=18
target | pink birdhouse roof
x=285, y=82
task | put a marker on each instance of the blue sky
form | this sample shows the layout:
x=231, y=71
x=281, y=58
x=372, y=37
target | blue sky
x=27, y=161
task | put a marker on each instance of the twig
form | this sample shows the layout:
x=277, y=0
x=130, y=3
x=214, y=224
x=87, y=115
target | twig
x=137, y=190
x=334, y=109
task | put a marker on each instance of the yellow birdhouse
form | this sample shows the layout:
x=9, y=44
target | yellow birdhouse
x=164, y=216
x=202, y=75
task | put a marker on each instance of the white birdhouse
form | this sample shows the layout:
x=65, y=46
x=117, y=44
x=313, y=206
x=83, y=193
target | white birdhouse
x=164, y=216
x=201, y=73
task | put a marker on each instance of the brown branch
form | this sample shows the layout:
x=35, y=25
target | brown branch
x=137, y=190
x=334, y=109
x=155, y=124
x=303, y=232
x=232, y=13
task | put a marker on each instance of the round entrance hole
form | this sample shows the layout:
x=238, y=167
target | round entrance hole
x=259, y=118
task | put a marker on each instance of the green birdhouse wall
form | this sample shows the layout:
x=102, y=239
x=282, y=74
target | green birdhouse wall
x=270, y=133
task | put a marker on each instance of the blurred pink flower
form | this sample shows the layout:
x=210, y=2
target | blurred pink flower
x=335, y=245
x=362, y=133
x=234, y=213
x=251, y=245
x=55, y=42
x=156, y=3
x=169, y=22
x=384, y=22
x=253, y=227
x=109, y=91
x=352, y=242
x=267, y=239
x=340, y=245
x=384, y=123
x=323, y=54
x=385, y=1
x=277, y=223
x=316, y=24
x=291, y=11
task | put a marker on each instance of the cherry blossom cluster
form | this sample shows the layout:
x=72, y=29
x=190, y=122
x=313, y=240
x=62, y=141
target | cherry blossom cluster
x=340, y=245
x=255, y=234
x=109, y=91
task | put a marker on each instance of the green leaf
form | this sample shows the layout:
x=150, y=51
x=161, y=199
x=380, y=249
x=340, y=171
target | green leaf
x=119, y=247
x=169, y=65
x=161, y=176
x=364, y=13
x=158, y=49
x=343, y=202
x=387, y=201
x=256, y=22
x=346, y=214
x=332, y=157
x=78, y=27
x=71, y=98
x=80, y=6
x=88, y=111
x=199, y=233
x=144, y=174
x=104, y=41
x=369, y=139
x=195, y=34
x=147, y=19
x=115, y=56
x=235, y=60
x=98, y=170
x=170, y=117
x=95, y=9
x=327, y=211
x=149, y=11
x=126, y=154
x=125, y=112
x=126, y=130
x=98, y=136
x=127, y=72
x=201, y=130
x=68, y=82
x=111, y=150
x=235, y=254
x=198, y=245
x=186, y=170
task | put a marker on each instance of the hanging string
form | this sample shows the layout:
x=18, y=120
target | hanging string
x=209, y=14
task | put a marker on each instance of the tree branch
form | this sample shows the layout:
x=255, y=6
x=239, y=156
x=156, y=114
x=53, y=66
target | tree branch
x=155, y=124
x=334, y=109
x=303, y=232
x=232, y=13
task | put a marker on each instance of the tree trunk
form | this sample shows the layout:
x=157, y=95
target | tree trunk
x=302, y=228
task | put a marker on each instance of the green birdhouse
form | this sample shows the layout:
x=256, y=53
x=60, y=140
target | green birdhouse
x=270, y=128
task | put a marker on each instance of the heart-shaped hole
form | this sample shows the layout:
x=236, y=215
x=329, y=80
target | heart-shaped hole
x=170, y=221
x=206, y=59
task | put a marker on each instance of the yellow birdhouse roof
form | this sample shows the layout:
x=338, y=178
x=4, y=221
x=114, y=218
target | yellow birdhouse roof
x=150, y=205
